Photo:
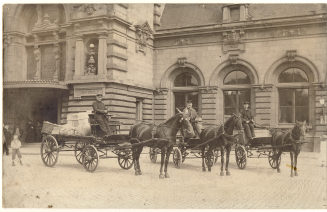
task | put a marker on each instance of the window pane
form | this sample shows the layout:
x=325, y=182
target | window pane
x=286, y=97
x=301, y=97
x=237, y=77
x=300, y=76
x=180, y=100
x=286, y=115
x=231, y=78
x=286, y=76
x=302, y=114
x=293, y=75
x=244, y=95
x=185, y=79
x=235, y=14
x=230, y=99
x=242, y=78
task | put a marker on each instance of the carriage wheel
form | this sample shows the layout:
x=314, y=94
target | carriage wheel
x=79, y=146
x=49, y=150
x=90, y=158
x=184, y=154
x=209, y=158
x=177, y=157
x=273, y=160
x=125, y=159
x=240, y=155
x=153, y=155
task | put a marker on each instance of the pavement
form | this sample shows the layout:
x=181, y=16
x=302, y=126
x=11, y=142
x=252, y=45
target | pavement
x=68, y=185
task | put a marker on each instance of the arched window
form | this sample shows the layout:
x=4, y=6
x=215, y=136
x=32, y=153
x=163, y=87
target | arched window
x=293, y=96
x=236, y=91
x=185, y=88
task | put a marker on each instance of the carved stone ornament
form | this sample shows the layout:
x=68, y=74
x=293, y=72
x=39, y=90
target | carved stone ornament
x=91, y=64
x=233, y=58
x=291, y=54
x=161, y=91
x=45, y=24
x=143, y=33
x=232, y=40
x=181, y=61
x=89, y=9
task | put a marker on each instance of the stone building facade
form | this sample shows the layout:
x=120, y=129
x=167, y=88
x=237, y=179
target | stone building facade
x=149, y=59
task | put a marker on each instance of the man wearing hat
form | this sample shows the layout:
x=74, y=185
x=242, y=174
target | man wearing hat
x=100, y=114
x=247, y=120
x=190, y=114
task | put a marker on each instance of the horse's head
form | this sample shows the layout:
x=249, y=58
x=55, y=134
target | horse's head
x=299, y=129
x=235, y=121
x=198, y=124
x=185, y=126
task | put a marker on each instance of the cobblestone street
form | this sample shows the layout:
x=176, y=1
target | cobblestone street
x=68, y=185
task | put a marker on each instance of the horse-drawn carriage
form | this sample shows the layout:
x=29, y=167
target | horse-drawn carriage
x=88, y=149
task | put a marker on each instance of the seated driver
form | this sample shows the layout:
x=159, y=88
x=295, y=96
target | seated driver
x=247, y=121
x=191, y=114
x=100, y=114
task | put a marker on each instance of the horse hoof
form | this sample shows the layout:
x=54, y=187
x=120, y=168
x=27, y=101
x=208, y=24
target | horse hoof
x=296, y=174
x=278, y=170
x=221, y=173
x=204, y=169
x=291, y=175
x=161, y=176
x=167, y=175
x=227, y=173
x=139, y=172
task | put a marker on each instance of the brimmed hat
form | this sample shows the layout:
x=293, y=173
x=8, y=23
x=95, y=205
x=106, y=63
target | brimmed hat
x=189, y=101
x=246, y=103
x=99, y=94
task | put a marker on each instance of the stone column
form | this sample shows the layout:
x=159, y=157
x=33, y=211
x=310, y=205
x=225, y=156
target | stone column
x=208, y=103
x=56, y=51
x=79, y=57
x=102, y=55
x=37, y=55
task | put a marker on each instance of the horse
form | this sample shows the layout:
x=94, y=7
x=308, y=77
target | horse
x=220, y=137
x=162, y=136
x=289, y=141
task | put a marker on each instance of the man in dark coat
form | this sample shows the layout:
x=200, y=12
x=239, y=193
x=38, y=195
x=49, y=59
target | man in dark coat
x=191, y=114
x=247, y=121
x=7, y=139
x=100, y=114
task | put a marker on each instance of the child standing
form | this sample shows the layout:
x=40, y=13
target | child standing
x=15, y=146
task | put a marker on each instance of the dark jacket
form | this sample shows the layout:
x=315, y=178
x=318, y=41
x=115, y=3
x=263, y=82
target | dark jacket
x=246, y=115
x=99, y=107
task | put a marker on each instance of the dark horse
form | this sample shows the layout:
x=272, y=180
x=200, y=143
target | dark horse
x=220, y=137
x=165, y=135
x=289, y=141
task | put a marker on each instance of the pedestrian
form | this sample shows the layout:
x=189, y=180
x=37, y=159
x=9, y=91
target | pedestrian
x=6, y=138
x=15, y=146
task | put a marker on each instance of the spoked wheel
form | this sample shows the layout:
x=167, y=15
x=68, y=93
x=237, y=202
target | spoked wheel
x=125, y=159
x=49, y=150
x=273, y=160
x=79, y=146
x=153, y=155
x=240, y=155
x=90, y=158
x=177, y=157
x=209, y=158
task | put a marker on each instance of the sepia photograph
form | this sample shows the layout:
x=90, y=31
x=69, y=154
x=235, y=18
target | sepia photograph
x=164, y=105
